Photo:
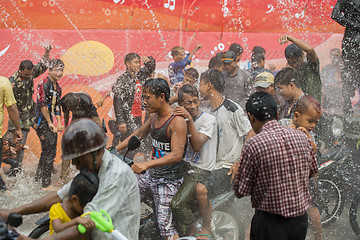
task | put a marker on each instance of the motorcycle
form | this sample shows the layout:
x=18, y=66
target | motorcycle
x=338, y=178
x=225, y=223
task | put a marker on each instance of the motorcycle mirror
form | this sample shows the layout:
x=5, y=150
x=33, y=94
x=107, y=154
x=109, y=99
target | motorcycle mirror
x=14, y=219
x=134, y=143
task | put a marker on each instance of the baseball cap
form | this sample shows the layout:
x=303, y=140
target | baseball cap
x=264, y=80
x=228, y=57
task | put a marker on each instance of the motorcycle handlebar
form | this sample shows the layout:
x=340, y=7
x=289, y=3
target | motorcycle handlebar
x=14, y=220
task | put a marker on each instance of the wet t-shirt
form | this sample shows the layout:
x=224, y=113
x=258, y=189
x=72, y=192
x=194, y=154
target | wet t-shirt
x=233, y=126
x=310, y=81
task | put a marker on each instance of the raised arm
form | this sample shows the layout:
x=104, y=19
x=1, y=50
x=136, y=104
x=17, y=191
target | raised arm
x=310, y=51
x=42, y=65
x=196, y=48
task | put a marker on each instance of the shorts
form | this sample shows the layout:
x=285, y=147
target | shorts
x=218, y=182
x=163, y=190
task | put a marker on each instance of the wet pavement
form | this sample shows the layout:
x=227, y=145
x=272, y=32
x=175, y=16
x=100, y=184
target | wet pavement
x=24, y=189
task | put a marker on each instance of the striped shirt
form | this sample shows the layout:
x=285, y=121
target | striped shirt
x=118, y=195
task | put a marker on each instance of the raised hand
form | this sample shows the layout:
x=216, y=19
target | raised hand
x=284, y=39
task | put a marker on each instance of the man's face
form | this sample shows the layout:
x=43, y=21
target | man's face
x=204, y=88
x=191, y=104
x=189, y=80
x=134, y=65
x=56, y=73
x=84, y=162
x=308, y=119
x=151, y=102
x=180, y=55
x=295, y=62
x=270, y=90
x=26, y=73
x=229, y=67
x=335, y=59
x=285, y=92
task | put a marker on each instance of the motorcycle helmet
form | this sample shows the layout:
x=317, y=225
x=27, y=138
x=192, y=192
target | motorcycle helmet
x=82, y=136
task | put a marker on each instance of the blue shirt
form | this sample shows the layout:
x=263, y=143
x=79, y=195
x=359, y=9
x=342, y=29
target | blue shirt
x=177, y=70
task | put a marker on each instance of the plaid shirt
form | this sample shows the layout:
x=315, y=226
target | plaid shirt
x=275, y=167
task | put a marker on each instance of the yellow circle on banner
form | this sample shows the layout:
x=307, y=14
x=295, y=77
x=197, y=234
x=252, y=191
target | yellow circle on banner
x=89, y=58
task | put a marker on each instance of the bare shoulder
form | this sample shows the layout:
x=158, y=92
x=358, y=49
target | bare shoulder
x=178, y=123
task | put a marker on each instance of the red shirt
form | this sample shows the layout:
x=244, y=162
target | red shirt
x=275, y=166
x=136, y=107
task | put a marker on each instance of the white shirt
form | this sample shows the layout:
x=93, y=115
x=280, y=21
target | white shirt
x=206, y=157
x=118, y=194
x=233, y=126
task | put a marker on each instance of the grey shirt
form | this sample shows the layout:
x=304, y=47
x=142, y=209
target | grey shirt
x=238, y=87
x=118, y=195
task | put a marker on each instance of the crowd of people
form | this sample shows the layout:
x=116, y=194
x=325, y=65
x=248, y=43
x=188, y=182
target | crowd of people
x=225, y=129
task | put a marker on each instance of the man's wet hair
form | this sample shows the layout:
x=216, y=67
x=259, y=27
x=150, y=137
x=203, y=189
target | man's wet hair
x=193, y=73
x=258, y=49
x=188, y=89
x=130, y=56
x=157, y=86
x=54, y=63
x=293, y=52
x=175, y=50
x=286, y=76
x=215, y=77
x=26, y=64
x=257, y=57
x=303, y=104
x=72, y=99
x=84, y=186
x=262, y=106
x=236, y=48
x=215, y=61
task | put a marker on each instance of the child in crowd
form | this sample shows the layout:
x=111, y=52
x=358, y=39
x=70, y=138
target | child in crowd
x=191, y=77
x=82, y=190
x=177, y=68
x=307, y=113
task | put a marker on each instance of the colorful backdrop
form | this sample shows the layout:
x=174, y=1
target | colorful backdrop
x=93, y=36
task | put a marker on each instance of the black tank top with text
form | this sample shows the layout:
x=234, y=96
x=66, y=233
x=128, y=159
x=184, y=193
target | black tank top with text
x=161, y=145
